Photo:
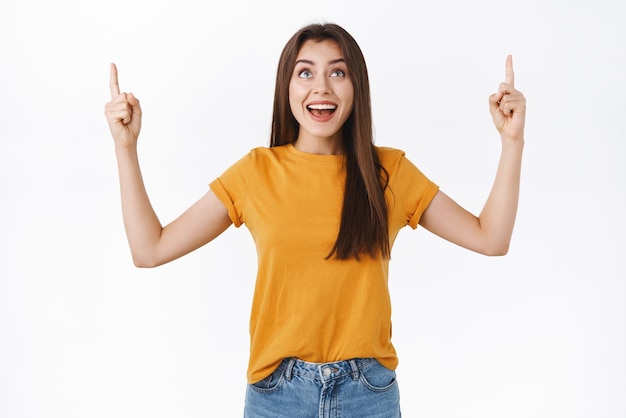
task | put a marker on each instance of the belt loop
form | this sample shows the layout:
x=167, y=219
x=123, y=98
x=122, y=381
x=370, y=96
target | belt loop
x=355, y=369
x=288, y=371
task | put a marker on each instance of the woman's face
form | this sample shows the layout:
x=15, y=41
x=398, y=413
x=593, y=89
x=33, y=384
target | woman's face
x=321, y=94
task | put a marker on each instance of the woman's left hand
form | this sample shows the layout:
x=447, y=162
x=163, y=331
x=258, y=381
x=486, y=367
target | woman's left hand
x=508, y=107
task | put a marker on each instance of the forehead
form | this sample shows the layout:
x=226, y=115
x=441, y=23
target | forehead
x=325, y=50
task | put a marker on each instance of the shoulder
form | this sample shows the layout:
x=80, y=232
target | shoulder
x=267, y=154
x=388, y=152
x=390, y=157
x=259, y=153
x=259, y=157
x=257, y=165
x=397, y=165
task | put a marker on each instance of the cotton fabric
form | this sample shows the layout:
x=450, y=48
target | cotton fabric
x=306, y=306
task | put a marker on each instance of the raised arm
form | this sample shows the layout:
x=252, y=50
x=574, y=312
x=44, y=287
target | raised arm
x=490, y=233
x=151, y=244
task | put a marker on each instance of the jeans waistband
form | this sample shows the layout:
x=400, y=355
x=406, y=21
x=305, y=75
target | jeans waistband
x=323, y=371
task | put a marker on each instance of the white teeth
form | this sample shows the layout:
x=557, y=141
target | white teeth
x=322, y=106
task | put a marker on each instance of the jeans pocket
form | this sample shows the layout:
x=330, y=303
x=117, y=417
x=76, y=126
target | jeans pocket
x=271, y=382
x=376, y=377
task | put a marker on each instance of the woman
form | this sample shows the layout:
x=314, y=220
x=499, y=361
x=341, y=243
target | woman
x=324, y=206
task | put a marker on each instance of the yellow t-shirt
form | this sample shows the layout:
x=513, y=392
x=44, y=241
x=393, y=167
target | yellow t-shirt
x=305, y=306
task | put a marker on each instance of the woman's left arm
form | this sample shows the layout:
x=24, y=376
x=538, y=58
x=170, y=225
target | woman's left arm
x=490, y=233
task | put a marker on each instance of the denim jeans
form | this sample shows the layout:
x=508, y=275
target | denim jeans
x=359, y=388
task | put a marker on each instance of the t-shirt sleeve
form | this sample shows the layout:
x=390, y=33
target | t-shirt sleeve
x=231, y=188
x=415, y=190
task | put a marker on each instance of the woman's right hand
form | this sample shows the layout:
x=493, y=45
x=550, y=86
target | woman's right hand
x=123, y=113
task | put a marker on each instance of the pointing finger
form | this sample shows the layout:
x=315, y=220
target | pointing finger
x=509, y=77
x=113, y=84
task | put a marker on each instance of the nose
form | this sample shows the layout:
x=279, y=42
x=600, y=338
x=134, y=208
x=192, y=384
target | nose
x=322, y=86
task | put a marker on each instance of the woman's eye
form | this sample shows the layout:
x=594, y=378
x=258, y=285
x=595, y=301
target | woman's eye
x=305, y=74
x=337, y=73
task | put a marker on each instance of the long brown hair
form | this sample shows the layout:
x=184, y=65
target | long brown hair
x=364, y=225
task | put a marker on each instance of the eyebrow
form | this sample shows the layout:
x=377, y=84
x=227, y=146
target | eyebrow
x=309, y=62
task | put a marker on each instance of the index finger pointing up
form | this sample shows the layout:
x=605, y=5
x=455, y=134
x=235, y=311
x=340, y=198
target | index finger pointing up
x=113, y=84
x=509, y=77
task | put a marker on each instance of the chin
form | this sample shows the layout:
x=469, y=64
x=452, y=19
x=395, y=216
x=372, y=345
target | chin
x=325, y=133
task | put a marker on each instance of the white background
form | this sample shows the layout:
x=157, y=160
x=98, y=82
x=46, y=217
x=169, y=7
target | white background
x=83, y=333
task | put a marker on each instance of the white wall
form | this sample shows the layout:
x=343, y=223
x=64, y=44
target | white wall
x=540, y=332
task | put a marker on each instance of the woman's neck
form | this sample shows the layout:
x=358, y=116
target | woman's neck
x=320, y=146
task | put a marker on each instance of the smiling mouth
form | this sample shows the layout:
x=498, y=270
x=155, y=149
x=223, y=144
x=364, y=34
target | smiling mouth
x=321, y=110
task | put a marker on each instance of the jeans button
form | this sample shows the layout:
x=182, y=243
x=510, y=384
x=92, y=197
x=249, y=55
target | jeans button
x=326, y=372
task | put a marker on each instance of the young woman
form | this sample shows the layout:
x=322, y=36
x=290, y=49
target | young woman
x=324, y=206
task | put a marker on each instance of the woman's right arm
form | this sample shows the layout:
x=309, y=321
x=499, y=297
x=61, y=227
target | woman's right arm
x=151, y=244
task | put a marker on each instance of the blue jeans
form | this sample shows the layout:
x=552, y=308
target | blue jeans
x=356, y=388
